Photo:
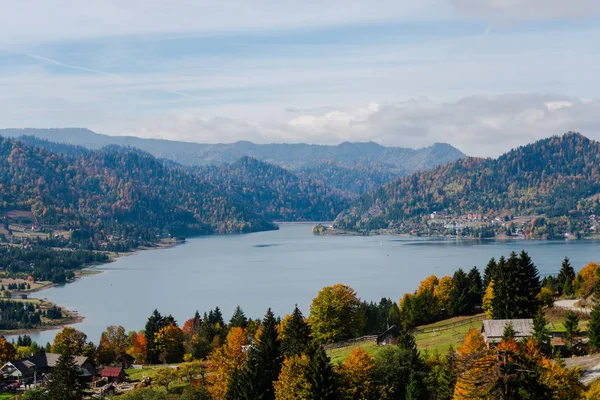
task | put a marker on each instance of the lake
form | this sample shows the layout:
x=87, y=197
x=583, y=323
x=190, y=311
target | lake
x=278, y=269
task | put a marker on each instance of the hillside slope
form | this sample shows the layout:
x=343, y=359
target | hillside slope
x=557, y=177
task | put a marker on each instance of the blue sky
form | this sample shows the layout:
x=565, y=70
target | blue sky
x=483, y=75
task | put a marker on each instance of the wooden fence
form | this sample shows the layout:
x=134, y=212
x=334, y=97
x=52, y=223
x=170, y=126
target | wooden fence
x=451, y=325
x=351, y=342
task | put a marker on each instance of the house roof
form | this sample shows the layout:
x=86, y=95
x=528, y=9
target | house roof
x=112, y=372
x=41, y=361
x=393, y=330
x=494, y=328
x=126, y=357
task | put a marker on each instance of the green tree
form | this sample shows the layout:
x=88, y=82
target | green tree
x=475, y=288
x=571, y=325
x=64, y=382
x=489, y=273
x=459, y=297
x=295, y=334
x=155, y=323
x=238, y=319
x=335, y=314
x=529, y=287
x=541, y=333
x=320, y=374
x=593, y=328
x=565, y=278
x=505, y=289
x=394, y=317
x=263, y=365
x=509, y=332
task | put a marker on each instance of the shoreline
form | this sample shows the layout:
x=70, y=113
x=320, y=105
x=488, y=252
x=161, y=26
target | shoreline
x=89, y=269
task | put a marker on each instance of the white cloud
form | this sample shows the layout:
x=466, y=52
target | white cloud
x=478, y=125
x=528, y=9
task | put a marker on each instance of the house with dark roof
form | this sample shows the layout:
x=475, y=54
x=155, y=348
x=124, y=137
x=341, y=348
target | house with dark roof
x=113, y=374
x=493, y=329
x=390, y=336
x=33, y=369
x=125, y=361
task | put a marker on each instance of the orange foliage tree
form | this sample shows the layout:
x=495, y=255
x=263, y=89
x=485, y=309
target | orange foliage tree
x=225, y=360
x=587, y=279
x=475, y=365
x=139, y=347
x=355, y=376
x=7, y=351
x=428, y=283
x=113, y=343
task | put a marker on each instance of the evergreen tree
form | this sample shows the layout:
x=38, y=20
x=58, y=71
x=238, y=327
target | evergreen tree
x=263, y=365
x=593, y=328
x=505, y=288
x=64, y=379
x=459, y=297
x=155, y=323
x=414, y=389
x=509, y=332
x=565, y=278
x=489, y=273
x=447, y=378
x=475, y=288
x=394, y=317
x=529, y=287
x=541, y=333
x=216, y=317
x=197, y=322
x=238, y=320
x=320, y=374
x=296, y=335
x=571, y=328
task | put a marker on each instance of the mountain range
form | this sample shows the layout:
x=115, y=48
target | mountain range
x=558, y=177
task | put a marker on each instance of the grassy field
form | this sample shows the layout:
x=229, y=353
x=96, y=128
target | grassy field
x=7, y=396
x=439, y=340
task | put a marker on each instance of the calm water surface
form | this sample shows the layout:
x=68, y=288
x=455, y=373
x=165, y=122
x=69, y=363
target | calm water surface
x=279, y=269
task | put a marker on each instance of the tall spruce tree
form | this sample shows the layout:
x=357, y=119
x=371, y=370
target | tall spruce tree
x=593, y=328
x=238, y=319
x=64, y=379
x=320, y=374
x=490, y=272
x=475, y=288
x=155, y=323
x=459, y=296
x=448, y=376
x=296, y=335
x=529, y=287
x=571, y=325
x=263, y=365
x=565, y=278
x=541, y=333
x=505, y=288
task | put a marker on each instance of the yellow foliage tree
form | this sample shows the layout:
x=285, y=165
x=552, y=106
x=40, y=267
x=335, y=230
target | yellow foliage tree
x=355, y=376
x=169, y=341
x=443, y=290
x=487, y=300
x=593, y=392
x=113, y=343
x=563, y=382
x=293, y=383
x=71, y=340
x=428, y=283
x=475, y=365
x=335, y=314
x=225, y=360
x=587, y=279
x=7, y=351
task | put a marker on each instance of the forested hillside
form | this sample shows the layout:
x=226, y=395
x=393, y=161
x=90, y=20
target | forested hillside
x=274, y=192
x=117, y=191
x=354, y=168
x=555, y=177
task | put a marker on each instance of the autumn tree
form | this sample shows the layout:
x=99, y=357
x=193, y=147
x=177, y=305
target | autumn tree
x=224, y=361
x=188, y=371
x=138, y=348
x=335, y=314
x=356, y=379
x=487, y=304
x=70, y=341
x=443, y=292
x=113, y=343
x=587, y=280
x=165, y=376
x=295, y=334
x=263, y=365
x=7, y=351
x=169, y=343
x=474, y=365
x=293, y=382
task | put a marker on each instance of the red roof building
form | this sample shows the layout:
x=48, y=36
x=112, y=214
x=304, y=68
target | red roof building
x=114, y=374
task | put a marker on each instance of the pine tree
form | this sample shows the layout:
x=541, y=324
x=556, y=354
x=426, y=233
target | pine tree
x=505, y=288
x=393, y=317
x=447, y=379
x=529, y=287
x=571, y=325
x=414, y=389
x=153, y=326
x=64, y=379
x=509, y=332
x=296, y=335
x=238, y=320
x=490, y=272
x=565, y=278
x=459, y=297
x=263, y=365
x=475, y=288
x=197, y=322
x=320, y=374
x=593, y=328
x=541, y=333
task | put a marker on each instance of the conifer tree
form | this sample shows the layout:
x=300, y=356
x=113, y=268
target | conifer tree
x=155, y=323
x=263, y=365
x=296, y=335
x=447, y=378
x=505, y=288
x=320, y=374
x=593, y=328
x=509, y=332
x=414, y=389
x=394, y=317
x=64, y=379
x=459, y=296
x=529, y=287
x=490, y=272
x=571, y=328
x=565, y=278
x=238, y=319
x=541, y=333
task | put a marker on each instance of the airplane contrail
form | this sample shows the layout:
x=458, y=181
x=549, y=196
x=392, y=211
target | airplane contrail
x=95, y=71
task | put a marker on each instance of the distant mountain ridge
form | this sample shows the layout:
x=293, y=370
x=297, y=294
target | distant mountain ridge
x=290, y=156
x=558, y=177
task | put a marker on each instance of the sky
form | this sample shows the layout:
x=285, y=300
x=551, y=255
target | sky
x=483, y=75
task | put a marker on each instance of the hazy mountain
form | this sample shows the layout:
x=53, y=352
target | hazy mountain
x=557, y=177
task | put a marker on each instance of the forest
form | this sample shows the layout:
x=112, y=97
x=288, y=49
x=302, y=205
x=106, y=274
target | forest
x=555, y=178
x=287, y=358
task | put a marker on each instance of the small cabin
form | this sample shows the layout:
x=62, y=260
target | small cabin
x=389, y=337
x=124, y=361
x=113, y=374
x=493, y=329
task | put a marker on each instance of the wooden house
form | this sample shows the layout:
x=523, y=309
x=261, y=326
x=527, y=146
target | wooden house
x=493, y=329
x=390, y=336
x=113, y=374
